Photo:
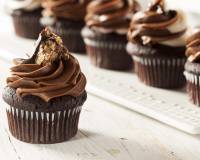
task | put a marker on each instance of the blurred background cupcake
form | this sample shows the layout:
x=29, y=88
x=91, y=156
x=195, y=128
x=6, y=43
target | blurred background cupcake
x=192, y=67
x=66, y=18
x=26, y=15
x=105, y=32
x=157, y=45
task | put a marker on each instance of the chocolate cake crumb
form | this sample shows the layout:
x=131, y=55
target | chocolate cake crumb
x=51, y=48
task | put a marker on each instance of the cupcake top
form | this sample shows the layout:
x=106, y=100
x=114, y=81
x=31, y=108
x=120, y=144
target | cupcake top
x=51, y=71
x=27, y=5
x=157, y=25
x=193, y=47
x=68, y=9
x=109, y=16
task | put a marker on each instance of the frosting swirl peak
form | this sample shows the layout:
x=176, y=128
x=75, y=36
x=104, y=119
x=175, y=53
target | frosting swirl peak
x=51, y=72
x=193, y=47
x=156, y=25
x=110, y=15
x=69, y=9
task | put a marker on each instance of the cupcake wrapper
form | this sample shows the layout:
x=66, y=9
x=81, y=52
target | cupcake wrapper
x=193, y=87
x=102, y=44
x=43, y=127
x=27, y=26
x=109, y=55
x=160, y=72
x=72, y=39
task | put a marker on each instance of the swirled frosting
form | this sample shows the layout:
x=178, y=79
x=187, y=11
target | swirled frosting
x=155, y=25
x=110, y=15
x=27, y=5
x=51, y=71
x=193, y=47
x=69, y=9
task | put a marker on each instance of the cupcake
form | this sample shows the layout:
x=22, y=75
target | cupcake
x=26, y=15
x=66, y=18
x=44, y=93
x=192, y=67
x=157, y=46
x=105, y=32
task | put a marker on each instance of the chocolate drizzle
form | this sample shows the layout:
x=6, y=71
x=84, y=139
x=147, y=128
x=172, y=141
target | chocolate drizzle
x=152, y=26
x=110, y=15
x=67, y=9
x=51, y=71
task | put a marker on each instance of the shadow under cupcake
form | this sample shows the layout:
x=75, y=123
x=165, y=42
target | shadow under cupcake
x=45, y=93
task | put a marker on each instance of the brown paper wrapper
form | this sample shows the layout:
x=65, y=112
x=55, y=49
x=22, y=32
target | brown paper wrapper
x=193, y=87
x=27, y=26
x=160, y=72
x=108, y=55
x=43, y=127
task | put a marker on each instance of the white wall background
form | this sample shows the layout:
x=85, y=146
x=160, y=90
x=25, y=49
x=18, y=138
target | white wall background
x=191, y=8
x=189, y=5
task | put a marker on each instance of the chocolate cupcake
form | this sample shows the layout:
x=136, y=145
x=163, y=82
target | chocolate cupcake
x=157, y=46
x=192, y=67
x=105, y=32
x=45, y=93
x=66, y=18
x=26, y=15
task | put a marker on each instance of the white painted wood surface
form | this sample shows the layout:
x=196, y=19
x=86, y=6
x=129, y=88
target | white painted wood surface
x=106, y=131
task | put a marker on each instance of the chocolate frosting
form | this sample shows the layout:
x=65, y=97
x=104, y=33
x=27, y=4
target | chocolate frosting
x=193, y=47
x=68, y=9
x=152, y=26
x=110, y=15
x=51, y=71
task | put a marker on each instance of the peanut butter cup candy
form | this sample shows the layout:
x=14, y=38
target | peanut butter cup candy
x=26, y=16
x=45, y=93
x=107, y=23
x=66, y=18
x=157, y=46
x=192, y=67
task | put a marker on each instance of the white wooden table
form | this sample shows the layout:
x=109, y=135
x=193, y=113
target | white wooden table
x=106, y=131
